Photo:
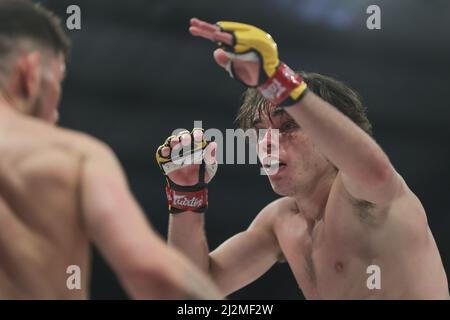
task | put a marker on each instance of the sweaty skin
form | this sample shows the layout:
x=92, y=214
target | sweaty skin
x=60, y=192
x=344, y=210
x=330, y=238
x=330, y=257
x=41, y=231
x=329, y=254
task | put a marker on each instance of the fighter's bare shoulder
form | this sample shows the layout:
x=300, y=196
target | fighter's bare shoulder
x=275, y=210
x=273, y=216
x=66, y=150
x=84, y=145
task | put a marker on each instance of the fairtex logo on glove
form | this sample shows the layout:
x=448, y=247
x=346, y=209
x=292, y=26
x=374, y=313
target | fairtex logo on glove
x=278, y=87
x=185, y=201
x=196, y=201
x=273, y=90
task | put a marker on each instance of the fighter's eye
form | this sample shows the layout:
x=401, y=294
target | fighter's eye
x=288, y=125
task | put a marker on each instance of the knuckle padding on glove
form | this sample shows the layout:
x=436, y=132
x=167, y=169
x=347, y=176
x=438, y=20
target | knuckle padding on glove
x=186, y=198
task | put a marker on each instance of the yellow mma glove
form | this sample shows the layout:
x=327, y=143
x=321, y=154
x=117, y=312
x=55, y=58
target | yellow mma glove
x=277, y=82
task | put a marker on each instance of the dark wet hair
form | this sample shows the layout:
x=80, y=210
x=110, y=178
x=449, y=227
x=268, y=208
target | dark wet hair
x=331, y=90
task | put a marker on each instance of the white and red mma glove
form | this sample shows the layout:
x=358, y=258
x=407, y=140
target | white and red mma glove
x=183, y=198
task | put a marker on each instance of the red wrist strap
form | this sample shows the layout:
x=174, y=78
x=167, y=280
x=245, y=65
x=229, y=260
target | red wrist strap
x=278, y=87
x=183, y=200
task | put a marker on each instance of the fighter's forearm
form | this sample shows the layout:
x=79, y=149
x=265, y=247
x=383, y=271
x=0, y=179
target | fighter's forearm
x=187, y=234
x=346, y=145
x=170, y=276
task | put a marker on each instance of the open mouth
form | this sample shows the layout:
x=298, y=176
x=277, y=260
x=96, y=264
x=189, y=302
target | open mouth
x=273, y=163
x=273, y=166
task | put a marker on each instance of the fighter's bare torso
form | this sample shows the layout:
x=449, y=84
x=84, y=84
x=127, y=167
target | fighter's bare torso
x=330, y=257
x=41, y=228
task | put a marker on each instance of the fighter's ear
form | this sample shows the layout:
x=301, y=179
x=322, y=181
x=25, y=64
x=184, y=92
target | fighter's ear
x=28, y=70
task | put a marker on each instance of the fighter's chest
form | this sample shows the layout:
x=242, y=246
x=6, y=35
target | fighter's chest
x=322, y=259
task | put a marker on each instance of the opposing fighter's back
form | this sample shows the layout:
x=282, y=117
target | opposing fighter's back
x=41, y=229
x=61, y=190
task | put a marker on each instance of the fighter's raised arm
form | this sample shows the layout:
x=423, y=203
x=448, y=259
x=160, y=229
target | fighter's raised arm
x=364, y=168
x=345, y=209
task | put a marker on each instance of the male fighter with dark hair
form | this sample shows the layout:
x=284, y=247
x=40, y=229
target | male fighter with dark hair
x=344, y=211
x=60, y=190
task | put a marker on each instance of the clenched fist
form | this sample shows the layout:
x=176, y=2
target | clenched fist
x=189, y=163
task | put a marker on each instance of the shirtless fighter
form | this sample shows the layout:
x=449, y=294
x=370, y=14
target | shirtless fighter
x=345, y=210
x=60, y=190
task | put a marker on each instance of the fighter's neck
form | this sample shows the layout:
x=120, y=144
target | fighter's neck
x=4, y=102
x=312, y=204
x=9, y=104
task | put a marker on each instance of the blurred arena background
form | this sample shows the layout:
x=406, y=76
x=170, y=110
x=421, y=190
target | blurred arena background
x=135, y=74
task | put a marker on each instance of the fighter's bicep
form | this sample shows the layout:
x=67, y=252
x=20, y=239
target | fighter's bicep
x=380, y=193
